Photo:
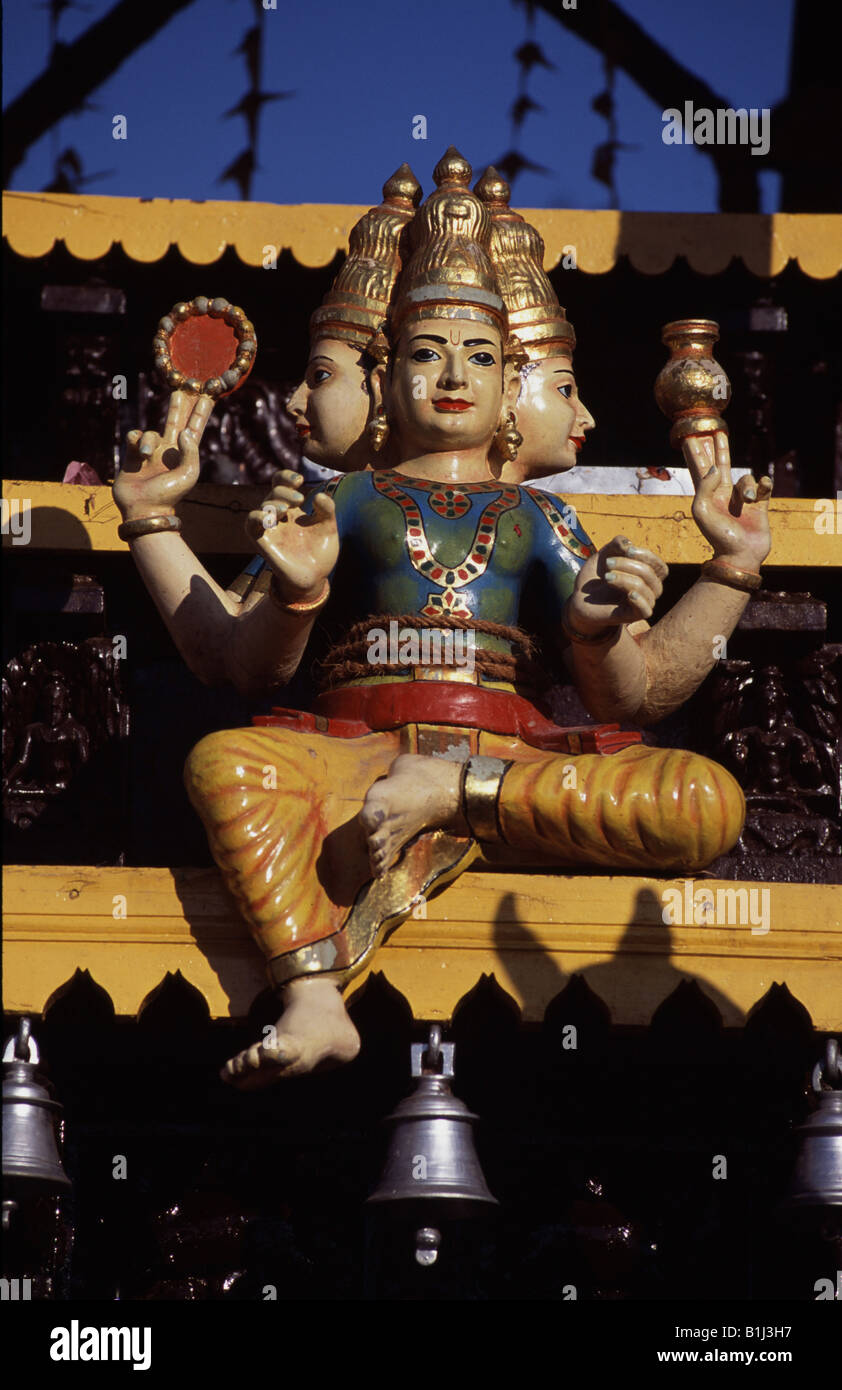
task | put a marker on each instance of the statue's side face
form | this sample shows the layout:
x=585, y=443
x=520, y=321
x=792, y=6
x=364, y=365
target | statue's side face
x=551, y=417
x=331, y=406
x=444, y=387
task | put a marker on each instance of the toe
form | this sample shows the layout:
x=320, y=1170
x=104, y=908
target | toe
x=372, y=815
x=385, y=858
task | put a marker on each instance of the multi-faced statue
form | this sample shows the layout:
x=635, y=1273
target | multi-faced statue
x=327, y=828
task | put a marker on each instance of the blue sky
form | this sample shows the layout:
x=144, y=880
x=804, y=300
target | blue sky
x=361, y=71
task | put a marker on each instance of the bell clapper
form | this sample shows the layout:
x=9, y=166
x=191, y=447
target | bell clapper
x=427, y=1242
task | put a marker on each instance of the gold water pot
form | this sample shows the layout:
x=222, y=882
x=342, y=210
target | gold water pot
x=692, y=388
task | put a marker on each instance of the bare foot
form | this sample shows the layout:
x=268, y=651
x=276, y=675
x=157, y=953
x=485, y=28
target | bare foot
x=314, y=1031
x=419, y=794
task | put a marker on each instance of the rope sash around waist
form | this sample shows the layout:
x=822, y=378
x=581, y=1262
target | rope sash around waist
x=354, y=711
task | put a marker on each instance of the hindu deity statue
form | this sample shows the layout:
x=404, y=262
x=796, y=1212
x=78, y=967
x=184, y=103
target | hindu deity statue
x=328, y=824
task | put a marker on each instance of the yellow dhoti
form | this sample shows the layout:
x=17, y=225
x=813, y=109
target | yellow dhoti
x=281, y=806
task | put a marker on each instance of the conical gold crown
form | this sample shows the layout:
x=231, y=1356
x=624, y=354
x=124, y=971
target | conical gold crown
x=449, y=274
x=357, y=305
x=536, y=318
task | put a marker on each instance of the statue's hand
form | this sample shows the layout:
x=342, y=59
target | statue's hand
x=301, y=550
x=620, y=584
x=734, y=517
x=161, y=469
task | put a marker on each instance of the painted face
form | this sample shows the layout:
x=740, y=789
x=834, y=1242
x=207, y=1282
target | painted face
x=445, y=387
x=551, y=418
x=331, y=406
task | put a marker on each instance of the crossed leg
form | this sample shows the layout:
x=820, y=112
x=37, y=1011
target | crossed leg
x=641, y=808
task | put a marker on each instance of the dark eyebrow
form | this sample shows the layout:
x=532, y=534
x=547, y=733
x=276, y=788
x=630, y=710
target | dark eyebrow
x=429, y=337
x=478, y=342
x=321, y=357
x=559, y=371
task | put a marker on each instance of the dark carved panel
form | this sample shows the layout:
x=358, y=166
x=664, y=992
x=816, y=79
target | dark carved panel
x=776, y=727
x=85, y=422
x=65, y=721
x=249, y=435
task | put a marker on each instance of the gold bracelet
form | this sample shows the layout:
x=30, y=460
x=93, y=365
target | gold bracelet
x=586, y=639
x=306, y=606
x=723, y=573
x=147, y=526
x=480, y=794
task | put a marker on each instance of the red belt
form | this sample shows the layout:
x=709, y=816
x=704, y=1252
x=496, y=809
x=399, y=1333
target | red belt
x=362, y=709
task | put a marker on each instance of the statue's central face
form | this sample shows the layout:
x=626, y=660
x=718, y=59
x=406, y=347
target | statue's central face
x=331, y=406
x=445, y=387
x=551, y=417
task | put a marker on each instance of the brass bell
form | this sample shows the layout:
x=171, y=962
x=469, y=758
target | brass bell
x=431, y=1156
x=816, y=1187
x=31, y=1163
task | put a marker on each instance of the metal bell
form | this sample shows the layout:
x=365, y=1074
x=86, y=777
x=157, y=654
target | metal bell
x=816, y=1186
x=31, y=1162
x=431, y=1154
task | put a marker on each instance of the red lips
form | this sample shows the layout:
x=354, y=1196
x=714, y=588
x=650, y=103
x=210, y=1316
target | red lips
x=303, y=431
x=454, y=403
x=577, y=441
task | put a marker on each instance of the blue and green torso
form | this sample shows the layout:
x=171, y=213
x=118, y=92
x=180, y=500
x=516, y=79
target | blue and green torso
x=493, y=551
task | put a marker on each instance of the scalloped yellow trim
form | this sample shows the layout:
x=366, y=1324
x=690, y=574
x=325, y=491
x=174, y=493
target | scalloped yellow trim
x=531, y=931
x=146, y=228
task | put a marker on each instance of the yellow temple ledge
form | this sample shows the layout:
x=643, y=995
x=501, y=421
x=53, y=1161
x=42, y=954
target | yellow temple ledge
x=89, y=225
x=532, y=931
x=70, y=517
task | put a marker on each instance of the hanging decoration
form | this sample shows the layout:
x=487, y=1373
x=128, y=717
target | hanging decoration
x=241, y=169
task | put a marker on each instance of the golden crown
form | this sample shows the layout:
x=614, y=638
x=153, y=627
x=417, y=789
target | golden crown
x=358, y=303
x=535, y=316
x=449, y=274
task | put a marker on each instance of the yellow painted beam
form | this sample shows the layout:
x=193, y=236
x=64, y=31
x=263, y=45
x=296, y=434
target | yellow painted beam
x=533, y=932
x=65, y=516
x=90, y=225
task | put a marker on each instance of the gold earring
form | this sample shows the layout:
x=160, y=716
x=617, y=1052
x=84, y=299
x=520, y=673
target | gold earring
x=508, y=438
x=378, y=430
